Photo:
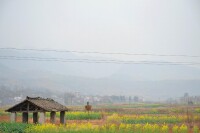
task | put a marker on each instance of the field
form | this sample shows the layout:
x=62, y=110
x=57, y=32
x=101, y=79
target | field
x=122, y=118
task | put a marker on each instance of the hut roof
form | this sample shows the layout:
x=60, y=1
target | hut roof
x=37, y=104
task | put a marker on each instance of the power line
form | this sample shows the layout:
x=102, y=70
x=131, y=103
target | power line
x=52, y=58
x=104, y=53
x=96, y=61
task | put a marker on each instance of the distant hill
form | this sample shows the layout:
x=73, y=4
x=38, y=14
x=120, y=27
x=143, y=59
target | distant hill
x=150, y=81
x=63, y=68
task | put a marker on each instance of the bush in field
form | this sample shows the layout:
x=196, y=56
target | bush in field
x=6, y=127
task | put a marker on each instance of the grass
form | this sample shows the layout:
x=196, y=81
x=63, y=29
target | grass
x=6, y=127
x=3, y=113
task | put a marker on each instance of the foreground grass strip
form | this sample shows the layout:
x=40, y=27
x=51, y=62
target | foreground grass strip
x=6, y=127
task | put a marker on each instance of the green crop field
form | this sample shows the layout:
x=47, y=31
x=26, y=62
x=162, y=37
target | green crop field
x=126, y=119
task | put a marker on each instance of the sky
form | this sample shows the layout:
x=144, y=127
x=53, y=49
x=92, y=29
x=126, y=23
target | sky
x=133, y=26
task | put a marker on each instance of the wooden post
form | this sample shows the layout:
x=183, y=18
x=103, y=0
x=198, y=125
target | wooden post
x=42, y=118
x=25, y=117
x=53, y=117
x=62, y=117
x=13, y=117
x=35, y=117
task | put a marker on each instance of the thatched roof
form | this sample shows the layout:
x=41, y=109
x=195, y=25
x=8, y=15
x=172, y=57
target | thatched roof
x=37, y=104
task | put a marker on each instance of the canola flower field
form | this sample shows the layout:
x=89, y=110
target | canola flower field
x=152, y=119
x=111, y=123
x=90, y=128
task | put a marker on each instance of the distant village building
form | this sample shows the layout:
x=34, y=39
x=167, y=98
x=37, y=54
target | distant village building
x=38, y=105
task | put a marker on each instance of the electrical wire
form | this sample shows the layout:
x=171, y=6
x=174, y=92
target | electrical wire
x=105, y=53
x=85, y=60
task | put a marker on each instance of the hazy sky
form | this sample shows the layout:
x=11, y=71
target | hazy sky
x=136, y=26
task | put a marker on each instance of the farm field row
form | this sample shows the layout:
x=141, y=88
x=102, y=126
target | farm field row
x=186, y=121
x=134, y=109
x=90, y=128
x=119, y=118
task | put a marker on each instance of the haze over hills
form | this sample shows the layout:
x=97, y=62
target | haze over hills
x=150, y=81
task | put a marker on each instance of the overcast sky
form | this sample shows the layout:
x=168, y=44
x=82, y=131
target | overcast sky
x=134, y=26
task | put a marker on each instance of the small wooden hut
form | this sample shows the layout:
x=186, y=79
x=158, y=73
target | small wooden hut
x=37, y=105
